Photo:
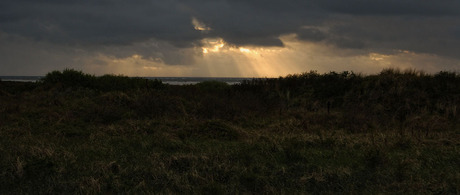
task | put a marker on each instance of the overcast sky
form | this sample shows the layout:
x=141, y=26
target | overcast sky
x=227, y=38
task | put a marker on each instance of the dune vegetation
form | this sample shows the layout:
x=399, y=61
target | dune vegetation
x=392, y=132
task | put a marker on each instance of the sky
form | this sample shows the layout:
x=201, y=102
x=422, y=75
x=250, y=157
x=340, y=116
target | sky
x=227, y=38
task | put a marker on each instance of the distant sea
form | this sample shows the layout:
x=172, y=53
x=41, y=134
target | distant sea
x=165, y=80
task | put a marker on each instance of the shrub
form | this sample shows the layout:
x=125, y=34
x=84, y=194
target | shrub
x=213, y=86
x=157, y=104
x=69, y=78
x=124, y=83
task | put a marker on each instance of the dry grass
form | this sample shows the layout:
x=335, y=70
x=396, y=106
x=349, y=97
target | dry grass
x=55, y=139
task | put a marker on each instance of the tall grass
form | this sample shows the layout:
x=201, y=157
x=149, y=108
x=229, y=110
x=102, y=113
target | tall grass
x=394, y=132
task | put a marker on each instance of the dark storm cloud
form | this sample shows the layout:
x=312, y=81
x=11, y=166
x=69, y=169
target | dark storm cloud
x=418, y=34
x=311, y=34
x=99, y=22
x=373, y=25
x=393, y=7
x=254, y=22
x=379, y=25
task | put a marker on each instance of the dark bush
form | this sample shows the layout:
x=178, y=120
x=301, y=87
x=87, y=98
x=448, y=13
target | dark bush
x=70, y=78
x=213, y=86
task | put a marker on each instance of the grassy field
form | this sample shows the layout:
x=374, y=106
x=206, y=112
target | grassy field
x=393, y=132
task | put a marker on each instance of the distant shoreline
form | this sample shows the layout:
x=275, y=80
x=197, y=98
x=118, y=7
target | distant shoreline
x=21, y=78
x=165, y=80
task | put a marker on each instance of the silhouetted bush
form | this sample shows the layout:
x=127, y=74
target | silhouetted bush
x=70, y=78
x=390, y=98
x=157, y=104
x=217, y=87
x=124, y=83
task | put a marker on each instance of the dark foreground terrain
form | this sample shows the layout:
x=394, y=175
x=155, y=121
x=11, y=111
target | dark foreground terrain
x=394, y=132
